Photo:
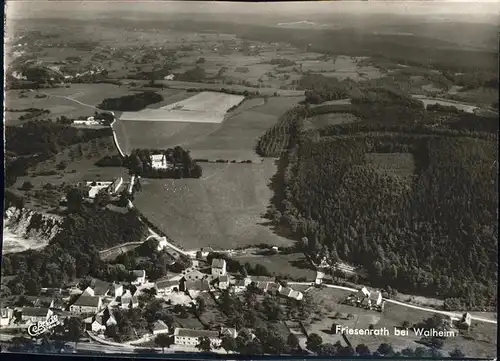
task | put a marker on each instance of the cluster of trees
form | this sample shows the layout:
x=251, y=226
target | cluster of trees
x=236, y=266
x=155, y=262
x=45, y=140
x=320, y=89
x=410, y=234
x=74, y=251
x=196, y=75
x=315, y=344
x=283, y=135
x=182, y=165
x=132, y=102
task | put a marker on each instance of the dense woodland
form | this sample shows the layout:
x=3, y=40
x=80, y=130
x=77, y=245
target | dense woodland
x=45, y=140
x=131, y=103
x=74, y=251
x=432, y=231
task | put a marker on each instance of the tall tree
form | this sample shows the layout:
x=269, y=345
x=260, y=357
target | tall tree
x=204, y=344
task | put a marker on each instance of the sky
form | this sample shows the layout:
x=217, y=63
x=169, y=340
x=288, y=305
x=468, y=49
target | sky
x=49, y=8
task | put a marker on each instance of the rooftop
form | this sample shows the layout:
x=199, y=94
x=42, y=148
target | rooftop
x=218, y=263
x=166, y=283
x=160, y=326
x=35, y=311
x=88, y=301
x=186, y=332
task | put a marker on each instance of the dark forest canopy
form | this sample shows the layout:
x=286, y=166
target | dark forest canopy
x=39, y=140
x=133, y=102
x=433, y=231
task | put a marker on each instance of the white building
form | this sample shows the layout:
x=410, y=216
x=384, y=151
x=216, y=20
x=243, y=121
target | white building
x=140, y=277
x=375, y=299
x=115, y=186
x=117, y=290
x=223, y=282
x=241, y=285
x=218, y=267
x=319, y=277
x=90, y=121
x=189, y=337
x=6, y=316
x=166, y=287
x=97, y=324
x=96, y=187
x=159, y=161
x=169, y=77
x=86, y=304
x=160, y=327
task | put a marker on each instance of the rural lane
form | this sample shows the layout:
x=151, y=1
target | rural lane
x=451, y=314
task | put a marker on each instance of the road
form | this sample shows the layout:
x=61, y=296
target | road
x=451, y=314
x=70, y=99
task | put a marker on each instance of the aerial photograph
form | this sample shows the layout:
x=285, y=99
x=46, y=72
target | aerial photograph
x=229, y=179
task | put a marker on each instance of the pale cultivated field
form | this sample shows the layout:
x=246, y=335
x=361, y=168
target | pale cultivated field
x=164, y=115
x=207, y=101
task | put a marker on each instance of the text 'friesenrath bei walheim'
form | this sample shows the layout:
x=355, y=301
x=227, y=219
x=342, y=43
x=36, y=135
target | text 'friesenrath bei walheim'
x=384, y=331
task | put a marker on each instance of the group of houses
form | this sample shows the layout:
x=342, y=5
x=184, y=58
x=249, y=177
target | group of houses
x=194, y=281
x=367, y=299
x=88, y=122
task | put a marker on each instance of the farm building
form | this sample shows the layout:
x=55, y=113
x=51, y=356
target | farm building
x=166, y=286
x=159, y=161
x=140, y=277
x=159, y=327
x=223, y=282
x=86, y=304
x=6, y=316
x=35, y=314
x=190, y=337
x=218, y=267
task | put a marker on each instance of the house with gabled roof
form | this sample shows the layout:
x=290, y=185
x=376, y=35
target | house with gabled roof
x=223, y=282
x=86, y=304
x=218, y=267
x=166, y=286
x=140, y=277
x=35, y=314
x=160, y=327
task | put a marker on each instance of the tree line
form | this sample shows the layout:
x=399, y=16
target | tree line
x=131, y=103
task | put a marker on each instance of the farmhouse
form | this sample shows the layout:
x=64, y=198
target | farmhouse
x=86, y=304
x=218, y=267
x=6, y=316
x=140, y=277
x=97, y=324
x=190, y=337
x=96, y=187
x=159, y=161
x=466, y=320
x=319, y=277
x=159, y=327
x=198, y=285
x=274, y=287
x=35, y=314
x=194, y=275
x=166, y=286
x=99, y=287
x=223, y=282
x=241, y=284
x=375, y=299
x=117, y=290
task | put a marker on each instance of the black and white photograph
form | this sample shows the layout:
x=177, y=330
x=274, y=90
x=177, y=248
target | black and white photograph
x=239, y=179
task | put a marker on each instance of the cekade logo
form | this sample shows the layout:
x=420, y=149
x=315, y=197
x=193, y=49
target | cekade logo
x=39, y=328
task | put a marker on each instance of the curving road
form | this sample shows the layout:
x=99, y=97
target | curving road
x=451, y=314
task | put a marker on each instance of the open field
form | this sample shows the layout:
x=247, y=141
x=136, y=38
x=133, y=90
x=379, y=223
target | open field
x=166, y=115
x=233, y=139
x=290, y=265
x=207, y=101
x=223, y=209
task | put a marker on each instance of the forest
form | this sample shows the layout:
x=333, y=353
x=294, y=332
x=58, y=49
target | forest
x=74, y=251
x=433, y=231
x=46, y=140
x=131, y=103
x=408, y=194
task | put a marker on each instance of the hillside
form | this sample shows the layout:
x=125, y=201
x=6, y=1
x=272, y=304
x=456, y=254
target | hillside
x=223, y=209
x=405, y=205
